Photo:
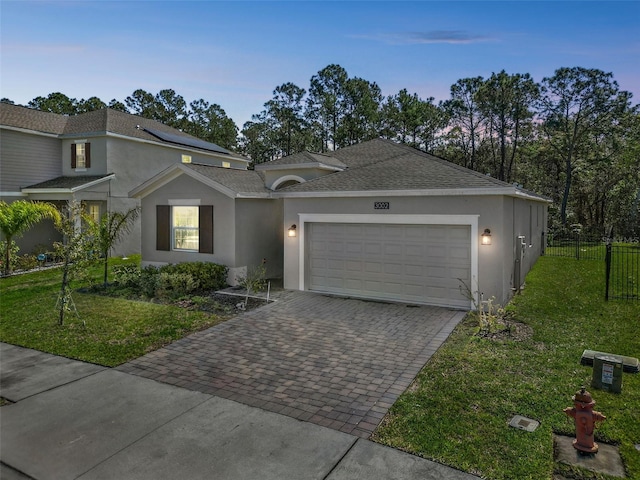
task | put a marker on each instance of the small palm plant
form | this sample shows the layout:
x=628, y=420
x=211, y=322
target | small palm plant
x=18, y=217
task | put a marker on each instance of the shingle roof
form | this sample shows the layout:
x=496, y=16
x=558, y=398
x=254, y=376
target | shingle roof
x=247, y=182
x=97, y=122
x=302, y=158
x=30, y=119
x=379, y=165
x=68, y=183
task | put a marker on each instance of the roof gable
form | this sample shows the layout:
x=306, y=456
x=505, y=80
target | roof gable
x=232, y=182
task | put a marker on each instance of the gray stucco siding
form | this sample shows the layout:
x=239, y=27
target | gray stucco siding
x=27, y=159
x=494, y=262
x=186, y=188
x=259, y=234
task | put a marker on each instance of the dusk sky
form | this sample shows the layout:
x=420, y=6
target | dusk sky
x=236, y=53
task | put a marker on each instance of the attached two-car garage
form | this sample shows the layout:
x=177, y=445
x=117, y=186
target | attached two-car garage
x=405, y=262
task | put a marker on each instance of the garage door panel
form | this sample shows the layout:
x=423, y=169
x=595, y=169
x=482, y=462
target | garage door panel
x=411, y=263
x=371, y=248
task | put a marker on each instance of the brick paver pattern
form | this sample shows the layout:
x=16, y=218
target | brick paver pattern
x=336, y=362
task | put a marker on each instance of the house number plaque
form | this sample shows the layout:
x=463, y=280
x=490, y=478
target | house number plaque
x=381, y=205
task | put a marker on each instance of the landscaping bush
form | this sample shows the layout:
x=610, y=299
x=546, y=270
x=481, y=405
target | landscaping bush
x=127, y=275
x=171, y=281
x=210, y=276
x=26, y=262
x=175, y=285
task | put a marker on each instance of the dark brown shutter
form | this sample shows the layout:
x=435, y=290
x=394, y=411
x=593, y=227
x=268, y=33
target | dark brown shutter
x=87, y=155
x=73, y=155
x=205, y=221
x=163, y=227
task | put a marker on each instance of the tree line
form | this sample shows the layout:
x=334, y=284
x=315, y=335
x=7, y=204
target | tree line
x=574, y=136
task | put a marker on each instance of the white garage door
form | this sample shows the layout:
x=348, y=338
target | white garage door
x=409, y=263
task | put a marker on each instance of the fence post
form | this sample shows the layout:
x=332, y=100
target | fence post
x=577, y=246
x=608, y=272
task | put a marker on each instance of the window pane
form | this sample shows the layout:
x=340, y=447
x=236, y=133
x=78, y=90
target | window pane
x=80, y=157
x=94, y=212
x=185, y=228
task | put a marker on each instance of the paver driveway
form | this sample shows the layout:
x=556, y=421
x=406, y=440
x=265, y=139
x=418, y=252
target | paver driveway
x=335, y=362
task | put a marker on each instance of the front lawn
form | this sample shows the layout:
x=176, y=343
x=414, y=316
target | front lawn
x=116, y=329
x=458, y=410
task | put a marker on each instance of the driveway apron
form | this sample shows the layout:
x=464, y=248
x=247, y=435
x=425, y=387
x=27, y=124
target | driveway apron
x=335, y=362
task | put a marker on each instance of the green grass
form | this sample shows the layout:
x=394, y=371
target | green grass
x=458, y=410
x=117, y=329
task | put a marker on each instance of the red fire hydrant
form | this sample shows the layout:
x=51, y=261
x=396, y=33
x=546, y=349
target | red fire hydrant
x=585, y=419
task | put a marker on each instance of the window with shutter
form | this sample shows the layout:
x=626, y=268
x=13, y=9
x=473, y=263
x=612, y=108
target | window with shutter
x=80, y=156
x=184, y=228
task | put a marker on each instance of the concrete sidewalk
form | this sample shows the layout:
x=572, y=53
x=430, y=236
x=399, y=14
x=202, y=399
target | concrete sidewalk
x=76, y=420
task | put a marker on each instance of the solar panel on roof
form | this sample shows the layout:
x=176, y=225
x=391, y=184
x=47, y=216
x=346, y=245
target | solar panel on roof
x=187, y=141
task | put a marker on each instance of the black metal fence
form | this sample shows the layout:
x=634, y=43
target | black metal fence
x=576, y=245
x=623, y=271
x=621, y=256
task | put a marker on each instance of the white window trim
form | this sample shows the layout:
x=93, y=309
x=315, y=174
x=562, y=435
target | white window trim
x=184, y=202
x=466, y=220
x=173, y=227
x=286, y=178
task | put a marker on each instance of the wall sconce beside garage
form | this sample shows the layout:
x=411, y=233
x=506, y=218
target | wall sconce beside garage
x=486, y=237
x=292, y=231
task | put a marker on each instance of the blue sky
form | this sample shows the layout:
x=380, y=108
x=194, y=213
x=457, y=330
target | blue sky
x=236, y=53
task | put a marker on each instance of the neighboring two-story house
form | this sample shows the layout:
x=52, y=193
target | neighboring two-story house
x=95, y=158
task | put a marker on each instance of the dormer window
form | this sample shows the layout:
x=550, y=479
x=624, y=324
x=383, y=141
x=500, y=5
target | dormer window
x=80, y=156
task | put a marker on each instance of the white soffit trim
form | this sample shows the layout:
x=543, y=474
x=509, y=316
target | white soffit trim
x=293, y=166
x=443, y=192
x=30, y=132
x=13, y=194
x=403, y=219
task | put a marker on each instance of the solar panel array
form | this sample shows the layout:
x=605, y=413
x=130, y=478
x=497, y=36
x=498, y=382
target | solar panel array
x=186, y=141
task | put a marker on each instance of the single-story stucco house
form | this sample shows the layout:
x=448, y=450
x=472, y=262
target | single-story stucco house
x=375, y=220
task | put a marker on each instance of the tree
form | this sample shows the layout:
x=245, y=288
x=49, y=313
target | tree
x=170, y=108
x=403, y=117
x=362, y=108
x=286, y=112
x=76, y=252
x=506, y=102
x=18, y=217
x=210, y=123
x=465, y=119
x=117, y=105
x=89, y=105
x=142, y=103
x=576, y=106
x=257, y=139
x=325, y=104
x=108, y=231
x=55, y=103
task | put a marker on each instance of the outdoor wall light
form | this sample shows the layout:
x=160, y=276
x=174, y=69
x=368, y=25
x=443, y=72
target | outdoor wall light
x=486, y=237
x=292, y=230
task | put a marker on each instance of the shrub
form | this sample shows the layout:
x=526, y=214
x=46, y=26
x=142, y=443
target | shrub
x=26, y=262
x=175, y=285
x=170, y=281
x=127, y=276
x=210, y=276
